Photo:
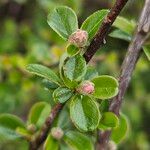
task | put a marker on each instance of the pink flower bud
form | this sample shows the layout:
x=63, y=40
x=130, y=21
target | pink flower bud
x=78, y=38
x=86, y=88
x=57, y=133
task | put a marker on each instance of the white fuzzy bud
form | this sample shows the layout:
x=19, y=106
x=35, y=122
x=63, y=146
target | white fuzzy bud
x=78, y=38
x=57, y=133
x=111, y=146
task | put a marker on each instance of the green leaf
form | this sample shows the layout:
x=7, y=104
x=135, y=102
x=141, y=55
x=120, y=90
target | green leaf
x=93, y=22
x=119, y=133
x=7, y=134
x=125, y=25
x=51, y=143
x=49, y=85
x=11, y=121
x=75, y=68
x=62, y=94
x=147, y=51
x=38, y=113
x=84, y=113
x=90, y=73
x=8, y=125
x=78, y=141
x=64, y=121
x=120, y=35
x=72, y=50
x=63, y=21
x=109, y=119
x=105, y=87
x=44, y=72
x=24, y=132
x=103, y=127
x=104, y=106
x=67, y=82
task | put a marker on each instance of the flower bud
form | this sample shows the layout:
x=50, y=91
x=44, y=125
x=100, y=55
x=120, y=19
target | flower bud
x=31, y=128
x=86, y=88
x=57, y=133
x=78, y=38
x=111, y=146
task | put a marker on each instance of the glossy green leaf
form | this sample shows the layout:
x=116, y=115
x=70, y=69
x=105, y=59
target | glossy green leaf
x=51, y=143
x=109, y=119
x=78, y=141
x=64, y=121
x=23, y=132
x=8, y=125
x=44, y=72
x=38, y=113
x=84, y=113
x=49, y=85
x=105, y=87
x=120, y=35
x=104, y=106
x=90, y=73
x=119, y=133
x=7, y=134
x=67, y=82
x=93, y=22
x=125, y=25
x=147, y=51
x=103, y=127
x=10, y=121
x=63, y=21
x=72, y=50
x=64, y=146
x=62, y=94
x=75, y=68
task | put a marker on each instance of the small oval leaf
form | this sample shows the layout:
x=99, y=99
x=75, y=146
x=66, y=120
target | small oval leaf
x=84, y=113
x=75, y=68
x=78, y=141
x=8, y=125
x=62, y=94
x=38, y=113
x=125, y=25
x=119, y=133
x=44, y=72
x=51, y=143
x=10, y=121
x=93, y=22
x=63, y=21
x=90, y=73
x=72, y=50
x=105, y=87
x=109, y=119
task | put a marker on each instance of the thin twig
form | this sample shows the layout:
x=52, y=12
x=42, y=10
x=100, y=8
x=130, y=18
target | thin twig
x=128, y=66
x=97, y=42
x=99, y=39
x=35, y=143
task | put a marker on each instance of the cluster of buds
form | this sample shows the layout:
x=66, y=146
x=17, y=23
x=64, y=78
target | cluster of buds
x=57, y=133
x=85, y=88
x=78, y=38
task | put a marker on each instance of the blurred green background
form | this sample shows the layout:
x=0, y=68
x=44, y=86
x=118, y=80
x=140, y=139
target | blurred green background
x=25, y=37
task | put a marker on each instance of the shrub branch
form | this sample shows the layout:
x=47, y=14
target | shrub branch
x=128, y=65
x=96, y=43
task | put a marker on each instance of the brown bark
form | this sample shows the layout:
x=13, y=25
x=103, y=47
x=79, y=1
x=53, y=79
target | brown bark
x=128, y=66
